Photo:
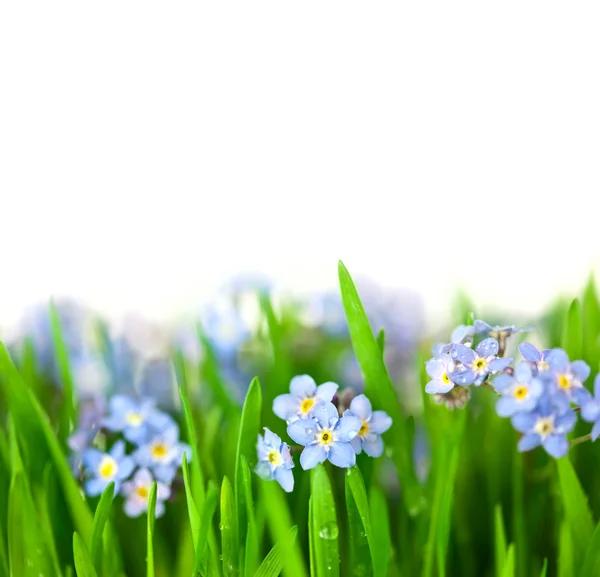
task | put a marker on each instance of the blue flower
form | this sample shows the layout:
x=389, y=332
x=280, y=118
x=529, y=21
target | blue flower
x=567, y=378
x=226, y=330
x=135, y=419
x=137, y=492
x=497, y=332
x=373, y=424
x=519, y=392
x=91, y=413
x=537, y=359
x=104, y=468
x=304, y=398
x=477, y=364
x=162, y=454
x=275, y=461
x=462, y=334
x=440, y=369
x=590, y=409
x=326, y=436
x=546, y=426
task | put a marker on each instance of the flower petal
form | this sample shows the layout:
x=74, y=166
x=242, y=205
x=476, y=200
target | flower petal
x=463, y=354
x=303, y=386
x=437, y=386
x=530, y=353
x=460, y=333
x=590, y=411
x=380, y=422
x=373, y=446
x=285, y=478
x=524, y=422
x=523, y=373
x=94, y=487
x=312, y=456
x=326, y=391
x=480, y=327
x=503, y=382
x=499, y=364
x=342, y=455
x=581, y=370
x=487, y=348
x=126, y=466
x=303, y=431
x=271, y=439
x=565, y=422
x=434, y=368
x=558, y=360
x=263, y=470
x=556, y=446
x=506, y=406
x=464, y=377
x=596, y=430
x=326, y=414
x=347, y=428
x=285, y=407
x=361, y=407
x=91, y=459
x=356, y=444
x=528, y=442
x=597, y=386
x=135, y=507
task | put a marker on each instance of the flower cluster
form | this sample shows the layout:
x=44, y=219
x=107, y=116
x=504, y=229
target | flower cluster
x=541, y=394
x=155, y=453
x=325, y=432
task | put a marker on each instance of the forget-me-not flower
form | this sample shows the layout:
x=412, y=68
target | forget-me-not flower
x=274, y=460
x=478, y=363
x=520, y=392
x=162, y=454
x=303, y=398
x=135, y=418
x=546, y=426
x=137, y=493
x=590, y=409
x=105, y=468
x=373, y=424
x=537, y=359
x=439, y=369
x=497, y=332
x=326, y=436
x=567, y=378
x=462, y=334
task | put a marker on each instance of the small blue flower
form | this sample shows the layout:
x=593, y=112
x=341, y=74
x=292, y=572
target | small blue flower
x=304, y=398
x=478, y=363
x=440, y=369
x=462, y=334
x=326, y=436
x=162, y=454
x=104, y=468
x=226, y=330
x=546, y=426
x=567, y=378
x=135, y=419
x=373, y=424
x=519, y=392
x=497, y=332
x=275, y=461
x=137, y=492
x=91, y=413
x=537, y=359
x=590, y=409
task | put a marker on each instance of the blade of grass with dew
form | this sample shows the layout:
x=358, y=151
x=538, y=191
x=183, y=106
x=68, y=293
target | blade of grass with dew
x=98, y=524
x=324, y=522
x=251, y=560
x=229, y=535
x=83, y=561
x=381, y=544
x=61, y=355
x=246, y=448
x=279, y=522
x=578, y=516
x=379, y=388
x=509, y=565
x=150, y=531
x=499, y=541
x=273, y=563
x=202, y=545
x=359, y=524
x=572, y=337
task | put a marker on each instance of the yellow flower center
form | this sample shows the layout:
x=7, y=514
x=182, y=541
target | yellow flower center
x=564, y=382
x=274, y=457
x=108, y=467
x=364, y=429
x=521, y=392
x=134, y=419
x=544, y=426
x=445, y=378
x=326, y=437
x=542, y=366
x=159, y=451
x=306, y=405
x=142, y=492
x=480, y=365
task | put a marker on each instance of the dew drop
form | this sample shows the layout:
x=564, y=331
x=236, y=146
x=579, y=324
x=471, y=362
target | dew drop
x=329, y=531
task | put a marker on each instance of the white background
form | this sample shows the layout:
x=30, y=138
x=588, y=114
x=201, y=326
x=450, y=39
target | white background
x=148, y=151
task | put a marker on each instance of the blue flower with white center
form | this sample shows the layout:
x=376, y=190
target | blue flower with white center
x=326, y=436
x=104, y=468
x=590, y=409
x=162, y=454
x=373, y=424
x=567, y=378
x=546, y=426
x=537, y=359
x=497, y=332
x=275, y=461
x=462, y=334
x=135, y=419
x=520, y=392
x=440, y=369
x=304, y=397
x=478, y=363
x=137, y=492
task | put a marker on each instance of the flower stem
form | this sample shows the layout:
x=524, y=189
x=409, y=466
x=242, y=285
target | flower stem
x=580, y=440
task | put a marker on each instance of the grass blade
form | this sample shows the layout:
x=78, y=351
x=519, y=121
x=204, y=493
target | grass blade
x=572, y=337
x=83, y=562
x=210, y=506
x=509, y=565
x=500, y=541
x=229, y=542
x=591, y=562
x=273, y=563
x=381, y=543
x=324, y=524
x=100, y=517
x=359, y=531
x=150, y=531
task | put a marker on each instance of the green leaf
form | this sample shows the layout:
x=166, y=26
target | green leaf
x=150, y=531
x=191, y=504
x=100, y=517
x=381, y=341
x=251, y=553
x=577, y=512
x=379, y=388
x=246, y=448
x=359, y=524
x=572, y=337
x=229, y=542
x=381, y=544
x=544, y=568
x=566, y=554
x=210, y=506
x=509, y=565
x=590, y=308
x=591, y=562
x=500, y=541
x=324, y=524
x=83, y=562
x=273, y=563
